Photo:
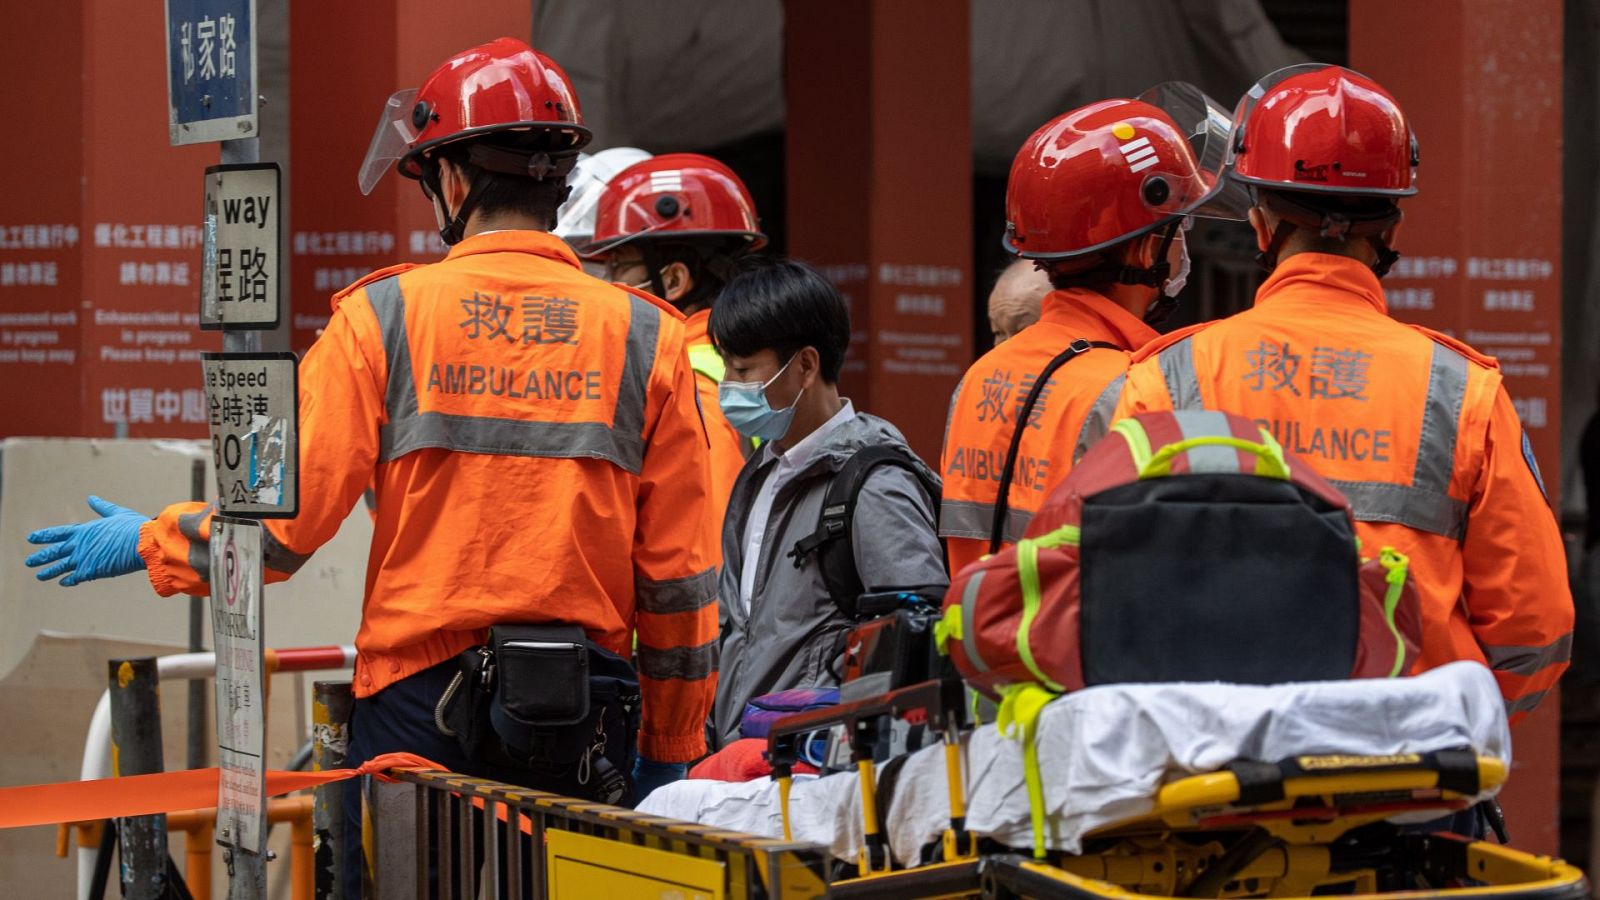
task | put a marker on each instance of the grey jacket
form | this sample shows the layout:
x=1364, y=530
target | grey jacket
x=792, y=631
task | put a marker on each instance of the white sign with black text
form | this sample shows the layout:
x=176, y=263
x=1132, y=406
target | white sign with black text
x=254, y=401
x=236, y=582
x=239, y=285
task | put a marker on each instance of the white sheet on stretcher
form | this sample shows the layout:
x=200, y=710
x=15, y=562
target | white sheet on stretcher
x=1105, y=752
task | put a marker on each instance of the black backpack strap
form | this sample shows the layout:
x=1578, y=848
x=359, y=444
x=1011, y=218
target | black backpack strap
x=1002, y=502
x=831, y=541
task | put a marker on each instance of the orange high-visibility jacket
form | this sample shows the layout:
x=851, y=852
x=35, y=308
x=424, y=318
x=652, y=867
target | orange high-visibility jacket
x=538, y=458
x=1072, y=412
x=1417, y=430
x=728, y=447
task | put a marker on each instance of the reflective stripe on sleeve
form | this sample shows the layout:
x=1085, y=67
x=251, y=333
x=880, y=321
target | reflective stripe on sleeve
x=1177, y=368
x=279, y=558
x=199, y=548
x=1098, y=421
x=973, y=519
x=1525, y=703
x=682, y=663
x=1526, y=661
x=677, y=595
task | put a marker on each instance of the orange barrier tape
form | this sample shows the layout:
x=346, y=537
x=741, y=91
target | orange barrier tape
x=146, y=795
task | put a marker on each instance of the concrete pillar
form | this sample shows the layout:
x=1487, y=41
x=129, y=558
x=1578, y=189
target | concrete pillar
x=879, y=164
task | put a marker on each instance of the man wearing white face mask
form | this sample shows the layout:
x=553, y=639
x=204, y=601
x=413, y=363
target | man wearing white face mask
x=782, y=330
x=1099, y=200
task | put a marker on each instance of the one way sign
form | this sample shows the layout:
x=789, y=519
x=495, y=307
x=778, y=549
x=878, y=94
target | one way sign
x=239, y=270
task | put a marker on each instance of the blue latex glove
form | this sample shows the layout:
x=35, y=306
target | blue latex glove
x=649, y=775
x=100, y=548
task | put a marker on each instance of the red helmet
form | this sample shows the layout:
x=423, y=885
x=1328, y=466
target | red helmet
x=677, y=195
x=1110, y=171
x=1323, y=129
x=501, y=86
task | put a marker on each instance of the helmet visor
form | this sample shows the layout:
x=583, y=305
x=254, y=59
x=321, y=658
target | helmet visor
x=390, y=140
x=1208, y=127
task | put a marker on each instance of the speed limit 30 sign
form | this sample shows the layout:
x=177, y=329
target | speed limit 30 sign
x=255, y=443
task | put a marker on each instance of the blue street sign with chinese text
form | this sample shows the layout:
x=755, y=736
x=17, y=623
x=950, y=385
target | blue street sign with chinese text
x=211, y=70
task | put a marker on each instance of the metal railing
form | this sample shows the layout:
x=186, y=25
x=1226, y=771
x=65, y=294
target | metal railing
x=439, y=835
x=124, y=738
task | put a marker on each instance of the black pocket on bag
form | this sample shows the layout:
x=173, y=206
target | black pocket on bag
x=542, y=673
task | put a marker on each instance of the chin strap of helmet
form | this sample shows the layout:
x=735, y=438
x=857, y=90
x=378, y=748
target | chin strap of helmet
x=652, y=264
x=1293, y=214
x=1155, y=275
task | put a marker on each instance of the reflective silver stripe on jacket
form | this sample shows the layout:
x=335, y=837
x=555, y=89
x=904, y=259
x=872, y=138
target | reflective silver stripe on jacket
x=974, y=519
x=400, y=398
x=1403, y=504
x=1525, y=703
x=677, y=595
x=1425, y=504
x=1177, y=367
x=1441, y=415
x=621, y=442
x=1098, y=421
x=1526, y=661
x=683, y=663
x=277, y=557
x=199, y=548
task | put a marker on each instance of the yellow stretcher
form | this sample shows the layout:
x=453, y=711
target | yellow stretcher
x=1310, y=825
x=1306, y=826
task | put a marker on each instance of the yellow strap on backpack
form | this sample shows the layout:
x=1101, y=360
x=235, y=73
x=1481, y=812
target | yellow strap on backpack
x=947, y=629
x=1020, y=706
x=1395, y=567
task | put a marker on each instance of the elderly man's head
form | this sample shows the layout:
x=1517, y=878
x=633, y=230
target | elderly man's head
x=1014, y=302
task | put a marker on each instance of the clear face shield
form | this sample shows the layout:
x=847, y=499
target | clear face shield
x=1208, y=128
x=390, y=140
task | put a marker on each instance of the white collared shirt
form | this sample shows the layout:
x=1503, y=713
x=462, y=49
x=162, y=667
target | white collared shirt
x=789, y=465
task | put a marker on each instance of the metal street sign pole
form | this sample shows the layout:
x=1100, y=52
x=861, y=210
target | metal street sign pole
x=247, y=872
x=245, y=150
x=237, y=628
x=213, y=94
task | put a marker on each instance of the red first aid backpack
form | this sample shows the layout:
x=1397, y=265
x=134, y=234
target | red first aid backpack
x=1185, y=546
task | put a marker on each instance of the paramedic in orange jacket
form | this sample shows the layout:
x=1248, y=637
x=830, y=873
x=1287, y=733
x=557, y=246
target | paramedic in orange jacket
x=532, y=432
x=676, y=225
x=1098, y=198
x=1416, y=428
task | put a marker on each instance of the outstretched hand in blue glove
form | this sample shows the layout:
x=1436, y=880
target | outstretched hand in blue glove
x=649, y=775
x=100, y=548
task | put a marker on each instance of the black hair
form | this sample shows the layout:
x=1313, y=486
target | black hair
x=1355, y=207
x=782, y=305
x=537, y=198
x=1071, y=273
